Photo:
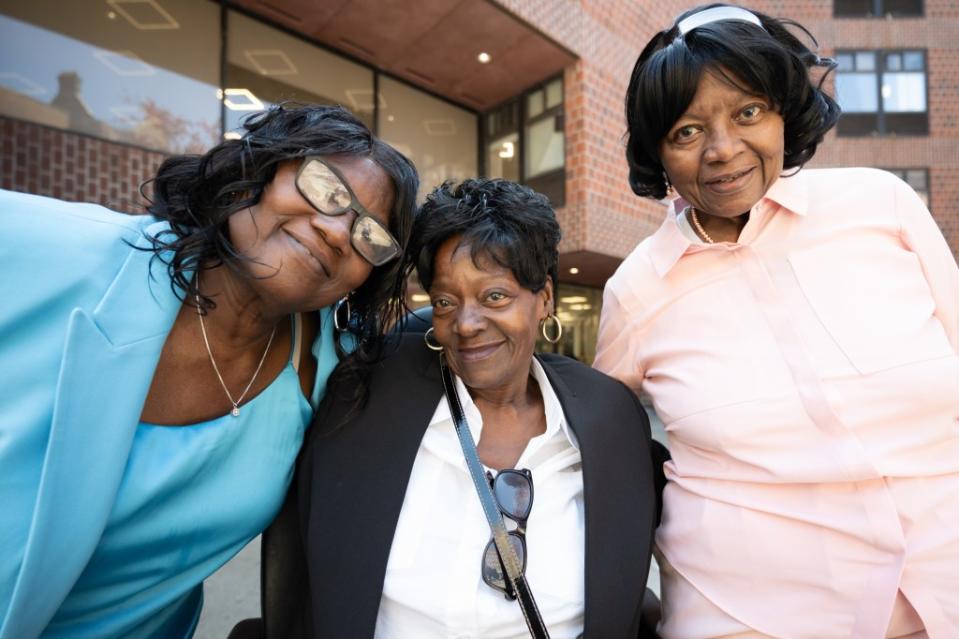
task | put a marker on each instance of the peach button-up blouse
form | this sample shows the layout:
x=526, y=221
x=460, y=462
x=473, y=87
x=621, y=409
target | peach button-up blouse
x=808, y=379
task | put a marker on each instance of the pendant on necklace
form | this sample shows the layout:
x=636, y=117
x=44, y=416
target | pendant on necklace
x=235, y=412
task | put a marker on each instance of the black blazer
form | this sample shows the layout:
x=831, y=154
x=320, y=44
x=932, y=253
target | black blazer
x=352, y=481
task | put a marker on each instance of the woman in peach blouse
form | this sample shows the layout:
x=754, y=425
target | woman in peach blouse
x=798, y=333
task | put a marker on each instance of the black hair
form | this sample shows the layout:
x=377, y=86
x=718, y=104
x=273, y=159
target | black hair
x=197, y=194
x=769, y=61
x=511, y=224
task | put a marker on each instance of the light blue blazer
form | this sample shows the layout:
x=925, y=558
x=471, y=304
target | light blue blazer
x=83, y=318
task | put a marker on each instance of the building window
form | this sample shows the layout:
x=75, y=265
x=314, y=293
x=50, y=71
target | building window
x=524, y=141
x=876, y=8
x=577, y=307
x=145, y=75
x=439, y=137
x=266, y=66
x=503, y=146
x=882, y=92
x=918, y=179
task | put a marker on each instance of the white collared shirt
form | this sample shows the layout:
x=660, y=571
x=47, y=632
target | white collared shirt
x=433, y=585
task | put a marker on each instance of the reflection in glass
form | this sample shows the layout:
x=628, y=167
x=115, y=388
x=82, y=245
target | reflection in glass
x=914, y=60
x=865, y=61
x=904, y=92
x=857, y=92
x=545, y=146
x=266, y=66
x=554, y=93
x=502, y=158
x=578, y=309
x=71, y=66
x=438, y=137
x=534, y=104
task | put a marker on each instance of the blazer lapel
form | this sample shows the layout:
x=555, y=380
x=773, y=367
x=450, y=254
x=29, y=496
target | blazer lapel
x=364, y=493
x=618, y=533
x=108, y=362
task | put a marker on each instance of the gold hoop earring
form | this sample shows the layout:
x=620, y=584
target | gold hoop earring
x=559, y=328
x=342, y=325
x=431, y=345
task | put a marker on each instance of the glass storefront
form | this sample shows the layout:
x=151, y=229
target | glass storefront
x=577, y=307
x=148, y=73
x=132, y=72
x=439, y=137
x=266, y=66
x=525, y=141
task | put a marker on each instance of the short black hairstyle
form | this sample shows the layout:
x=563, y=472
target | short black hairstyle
x=509, y=223
x=769, y=61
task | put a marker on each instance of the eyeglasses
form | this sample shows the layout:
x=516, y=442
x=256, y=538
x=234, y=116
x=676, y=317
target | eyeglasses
x=513, y=491
x=325, y=189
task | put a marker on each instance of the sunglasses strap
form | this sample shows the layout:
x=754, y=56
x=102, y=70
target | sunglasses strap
x=511, y=563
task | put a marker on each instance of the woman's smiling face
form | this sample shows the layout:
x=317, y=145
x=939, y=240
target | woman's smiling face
x=486, y=321
x=299, y=259
x=726, y=150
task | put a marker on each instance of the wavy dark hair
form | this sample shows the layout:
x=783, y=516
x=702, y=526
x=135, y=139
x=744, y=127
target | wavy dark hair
x=197, y=194
x=511, y=224
x=769, y=61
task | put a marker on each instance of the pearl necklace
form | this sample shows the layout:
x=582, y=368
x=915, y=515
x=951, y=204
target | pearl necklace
x=699, y=227
x=216, y=369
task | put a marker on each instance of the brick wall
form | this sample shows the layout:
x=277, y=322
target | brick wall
x=603, y=216
x=71, y=166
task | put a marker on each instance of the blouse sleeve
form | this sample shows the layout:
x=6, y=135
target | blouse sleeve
x=923, y=237
x=616, y=347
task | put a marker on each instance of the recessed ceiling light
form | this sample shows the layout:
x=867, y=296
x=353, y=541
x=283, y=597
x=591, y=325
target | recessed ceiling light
x=390, y=118
x=484, y=58
x=573, y=271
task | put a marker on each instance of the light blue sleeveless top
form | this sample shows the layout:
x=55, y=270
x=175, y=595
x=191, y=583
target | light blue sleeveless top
x=191, y=497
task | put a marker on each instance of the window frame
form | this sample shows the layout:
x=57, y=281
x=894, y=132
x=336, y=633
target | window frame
x=878, y=12
x=902, y=173
x=882, y=128
x=523, y=121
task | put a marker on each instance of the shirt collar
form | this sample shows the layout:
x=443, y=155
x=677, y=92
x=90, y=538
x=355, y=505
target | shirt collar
x=555, y=418
x=668, y=243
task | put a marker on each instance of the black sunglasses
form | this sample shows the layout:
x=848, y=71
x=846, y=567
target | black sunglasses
x=326, y=190
x=513, y=491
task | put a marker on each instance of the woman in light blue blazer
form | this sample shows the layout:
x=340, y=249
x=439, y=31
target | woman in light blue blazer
x=158, y=371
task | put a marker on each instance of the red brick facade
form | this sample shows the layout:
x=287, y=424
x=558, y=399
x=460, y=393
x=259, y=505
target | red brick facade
x=603, y=216
x=72, y=166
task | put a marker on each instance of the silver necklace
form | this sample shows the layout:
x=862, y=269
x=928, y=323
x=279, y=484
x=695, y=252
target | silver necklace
x=699, y=227
x=236, y=404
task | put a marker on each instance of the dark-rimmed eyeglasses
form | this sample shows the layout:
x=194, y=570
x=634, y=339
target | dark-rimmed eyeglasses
x=513, y=491
x=327, y=191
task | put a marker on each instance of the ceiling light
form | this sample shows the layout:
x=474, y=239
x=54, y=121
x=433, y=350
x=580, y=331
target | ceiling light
x=573, y=299
x=484, y=58
x=246, y=102
x=421, y=297
x=390, y=118
x=145, y=15
x=507, y=151
x=573, y=271
x=231, y=135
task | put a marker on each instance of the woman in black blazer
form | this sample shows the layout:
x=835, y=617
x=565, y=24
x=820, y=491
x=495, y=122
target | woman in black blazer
x=389, y=524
